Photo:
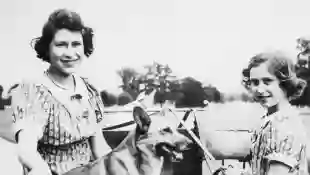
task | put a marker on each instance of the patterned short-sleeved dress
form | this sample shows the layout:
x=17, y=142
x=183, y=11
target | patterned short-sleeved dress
x=280, y=138
x=63, y=122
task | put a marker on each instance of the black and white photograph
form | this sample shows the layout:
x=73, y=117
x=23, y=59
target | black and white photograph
x=155, y=87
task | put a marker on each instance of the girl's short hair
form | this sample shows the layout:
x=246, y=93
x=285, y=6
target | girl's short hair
x=62, y=19
x=282, y=67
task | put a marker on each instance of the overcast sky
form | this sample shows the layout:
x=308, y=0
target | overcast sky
x=209, y=40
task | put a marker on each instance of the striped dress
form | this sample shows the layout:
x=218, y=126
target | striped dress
x=281, y=137
x=62, y=123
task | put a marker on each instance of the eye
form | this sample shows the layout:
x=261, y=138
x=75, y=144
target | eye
x=267, y=81
x=167, y=129
x=254, y=82
x=76, y=43
x=61, y=44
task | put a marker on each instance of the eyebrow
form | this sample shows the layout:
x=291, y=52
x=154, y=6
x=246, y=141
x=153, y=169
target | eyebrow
x=64, y=41
x=262, y=78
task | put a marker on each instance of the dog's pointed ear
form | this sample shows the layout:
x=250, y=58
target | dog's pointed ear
x=141, y=118
x=137, y=115
x=146, y=99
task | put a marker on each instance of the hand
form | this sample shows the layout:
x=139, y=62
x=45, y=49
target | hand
x=43, y=170
x=233, y=170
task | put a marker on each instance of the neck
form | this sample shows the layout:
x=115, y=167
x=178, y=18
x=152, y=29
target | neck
x=62, y=79
x=272, y=109
x=280, y=106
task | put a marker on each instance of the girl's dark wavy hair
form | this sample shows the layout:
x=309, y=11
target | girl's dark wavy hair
x=282, y=67
x=62, y=19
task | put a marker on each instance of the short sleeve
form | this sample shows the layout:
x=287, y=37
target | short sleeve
x=100, y=109
x=95, y=100
x=288, y=142
x=28, y=104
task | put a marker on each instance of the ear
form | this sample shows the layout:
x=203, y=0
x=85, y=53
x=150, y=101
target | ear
x=147, y=99
x=137, y=116
x=141, y=118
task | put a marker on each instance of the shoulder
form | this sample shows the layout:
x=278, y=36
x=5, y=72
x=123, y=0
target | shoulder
x=28, y=83
x=287, y=116
x=90, y=86
x=27, y=89
x=289, y=123
x=24, y=86
x=94, y=95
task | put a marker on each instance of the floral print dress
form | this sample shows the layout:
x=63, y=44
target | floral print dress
x=281, y=137
x=63, y=122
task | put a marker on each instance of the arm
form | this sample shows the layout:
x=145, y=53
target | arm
x=278, y=168
x=27, y=151
x=98, y=143
x=288, y=147
x=216, y=141
x=224, y=144
x=28, y=125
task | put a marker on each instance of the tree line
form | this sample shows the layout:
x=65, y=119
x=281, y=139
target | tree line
x=182, y=92
x=189, y=92
x=186, y=92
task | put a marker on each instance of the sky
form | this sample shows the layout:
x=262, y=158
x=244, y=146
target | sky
x=208, y=40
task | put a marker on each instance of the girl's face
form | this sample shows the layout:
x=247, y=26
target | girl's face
x=66, y=51
x=265, y=86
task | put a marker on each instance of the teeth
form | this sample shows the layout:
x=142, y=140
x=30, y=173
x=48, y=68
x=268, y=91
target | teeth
x=177, y=156
x=70, y=60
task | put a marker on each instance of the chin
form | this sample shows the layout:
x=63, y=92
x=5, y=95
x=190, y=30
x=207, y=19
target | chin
x=69, y=71
x=266, y=103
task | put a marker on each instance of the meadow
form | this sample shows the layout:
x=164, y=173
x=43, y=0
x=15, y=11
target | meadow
x=225, y=127
x=213, y=121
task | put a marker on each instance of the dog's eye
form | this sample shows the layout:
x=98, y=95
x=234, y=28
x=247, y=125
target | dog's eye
x=167, y=129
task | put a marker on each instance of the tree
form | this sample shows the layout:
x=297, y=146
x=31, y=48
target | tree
x=304, y=99
x=160, y=77
x=108, y=98
x=246, y=98
x=3, y=101
x=302, y=66
x=213, y=94
x=128, y=76
x=194, y=94
x=303, y=70
x=124, y=98
x=161, y=97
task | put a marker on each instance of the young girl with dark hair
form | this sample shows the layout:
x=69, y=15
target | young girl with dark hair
x=279, y=144
x=58, y=115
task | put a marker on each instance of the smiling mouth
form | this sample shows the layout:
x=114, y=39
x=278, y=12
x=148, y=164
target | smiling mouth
x=69, y=60
x=171, y=151
x=262, y=98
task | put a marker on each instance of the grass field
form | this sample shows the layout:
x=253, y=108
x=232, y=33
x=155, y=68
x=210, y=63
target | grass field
x=215, y=116
x=229, y=116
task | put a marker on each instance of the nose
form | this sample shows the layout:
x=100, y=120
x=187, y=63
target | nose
x=259, y=88
x=71, y=53
x=182, y=140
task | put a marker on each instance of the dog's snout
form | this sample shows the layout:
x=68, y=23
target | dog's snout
x=182, y=142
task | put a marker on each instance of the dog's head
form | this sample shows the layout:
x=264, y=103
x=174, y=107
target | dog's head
x=164, y=141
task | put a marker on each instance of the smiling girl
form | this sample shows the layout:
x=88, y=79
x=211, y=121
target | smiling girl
x=279, y=145
x=57, y=114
